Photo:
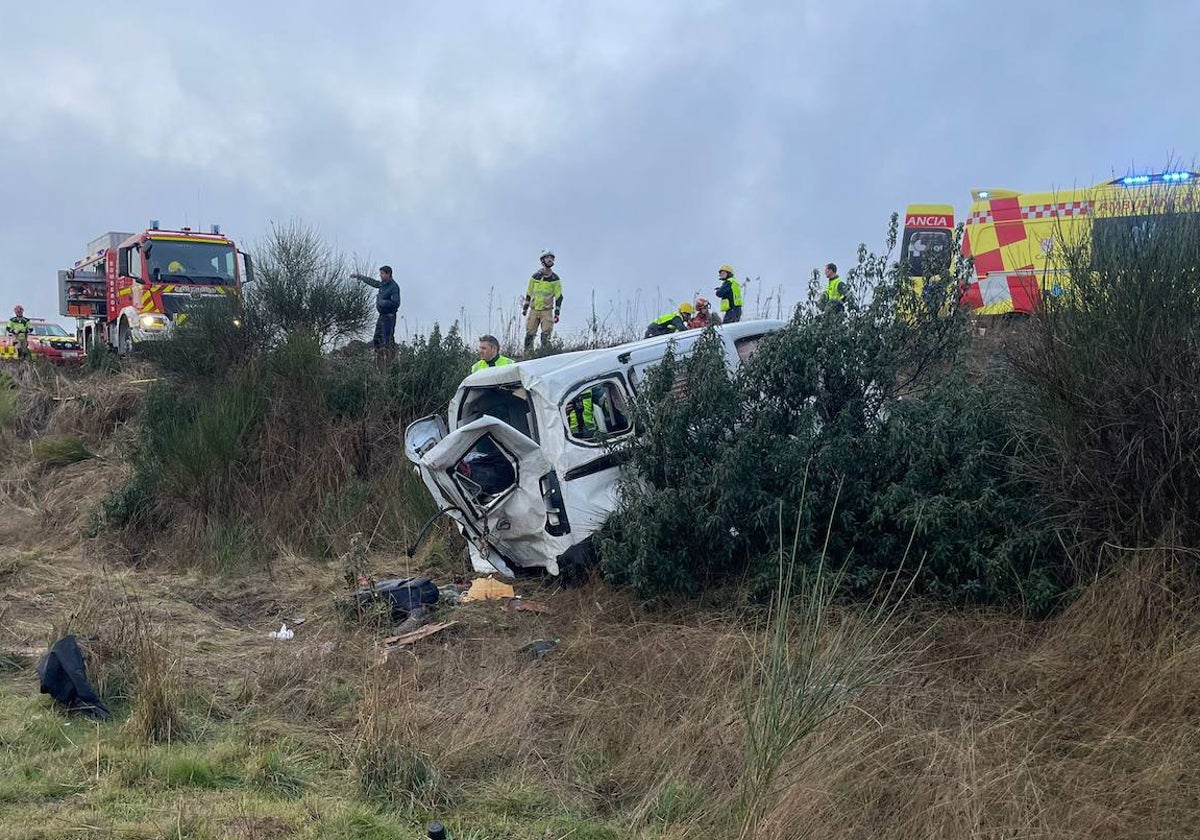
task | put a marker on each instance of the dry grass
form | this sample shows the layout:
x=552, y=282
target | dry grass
x=635, y=725
x=983, y=726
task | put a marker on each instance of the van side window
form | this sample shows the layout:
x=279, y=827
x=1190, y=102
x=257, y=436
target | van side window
x=746, y=347
x=597, y=412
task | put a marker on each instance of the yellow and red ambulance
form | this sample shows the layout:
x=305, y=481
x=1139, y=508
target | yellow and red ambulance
x=1015, y=239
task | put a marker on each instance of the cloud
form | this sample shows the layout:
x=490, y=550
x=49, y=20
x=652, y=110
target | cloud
x=647, y=143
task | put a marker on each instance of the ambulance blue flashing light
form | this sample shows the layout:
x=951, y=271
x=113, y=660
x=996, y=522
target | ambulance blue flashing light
x=1158, y=178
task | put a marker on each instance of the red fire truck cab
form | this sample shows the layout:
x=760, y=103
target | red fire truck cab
x=134, y=287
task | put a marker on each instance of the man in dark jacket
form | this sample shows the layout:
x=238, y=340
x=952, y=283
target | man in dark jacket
x=387, y=303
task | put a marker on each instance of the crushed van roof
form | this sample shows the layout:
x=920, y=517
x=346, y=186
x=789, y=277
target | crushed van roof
x=578, y=363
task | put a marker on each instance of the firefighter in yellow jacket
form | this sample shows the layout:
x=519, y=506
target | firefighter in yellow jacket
x=543, y=301
x=18, y=328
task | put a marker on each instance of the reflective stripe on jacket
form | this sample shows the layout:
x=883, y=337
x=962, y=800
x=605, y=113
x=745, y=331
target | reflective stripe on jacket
x=544, y=290
x=17, y=326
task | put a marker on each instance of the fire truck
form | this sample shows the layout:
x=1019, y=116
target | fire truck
x=134, y=287
x=1015, y=238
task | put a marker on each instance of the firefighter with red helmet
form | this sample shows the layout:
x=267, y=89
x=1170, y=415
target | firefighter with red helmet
x=704, y=316
x=18, y=327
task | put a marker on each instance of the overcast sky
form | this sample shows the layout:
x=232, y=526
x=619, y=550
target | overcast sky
x=645, y=142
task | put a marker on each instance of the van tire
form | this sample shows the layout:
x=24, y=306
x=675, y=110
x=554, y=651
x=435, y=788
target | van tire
x=577, y=564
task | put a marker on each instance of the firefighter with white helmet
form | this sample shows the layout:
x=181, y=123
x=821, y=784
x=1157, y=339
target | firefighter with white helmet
x=543, y=301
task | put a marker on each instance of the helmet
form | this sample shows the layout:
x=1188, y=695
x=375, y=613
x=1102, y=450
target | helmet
x=702, y=303
x=19, y=309
x=686, y=308
x=726, y=267
x=546, y=252
x=175, y=267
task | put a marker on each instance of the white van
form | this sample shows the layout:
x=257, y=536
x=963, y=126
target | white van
x=526, y=461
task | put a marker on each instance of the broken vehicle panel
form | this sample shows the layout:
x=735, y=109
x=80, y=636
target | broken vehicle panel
x=528, y=467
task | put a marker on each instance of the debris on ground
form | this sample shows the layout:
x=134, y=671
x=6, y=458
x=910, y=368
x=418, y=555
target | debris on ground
x=452, y=593
x=488, y=589
x=416, y=635
x=283, y=633
x=520, y=604
x=63, y=676
x=416, y=618
x=537, y=649
x=402, y=595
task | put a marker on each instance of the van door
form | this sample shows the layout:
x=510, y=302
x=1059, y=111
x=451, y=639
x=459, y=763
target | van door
x=422, y=435
x=493, y=475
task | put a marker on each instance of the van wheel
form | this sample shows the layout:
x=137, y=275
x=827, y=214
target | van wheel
x=124, y=339
x=577, y=564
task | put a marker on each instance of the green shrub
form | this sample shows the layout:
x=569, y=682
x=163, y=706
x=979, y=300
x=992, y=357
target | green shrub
x=207, y=443
x=1111, y=425
x=303, y=286
x=102, y=360
x=215, y=337
x=426, y=373
x=859, y=424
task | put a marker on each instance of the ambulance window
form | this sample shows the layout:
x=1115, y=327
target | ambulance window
x=927, y=252
x=597, y=412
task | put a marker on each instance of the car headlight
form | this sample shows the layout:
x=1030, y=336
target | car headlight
x=153, y=322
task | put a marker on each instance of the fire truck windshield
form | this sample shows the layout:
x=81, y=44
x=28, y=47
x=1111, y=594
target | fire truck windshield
x=171, y=261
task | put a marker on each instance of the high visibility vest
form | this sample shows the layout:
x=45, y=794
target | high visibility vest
x=735, y=289
x=543, y=292
x=833, y=289
x=499, y=361
x=17, y=326
x=582, y=409
x=665, y=320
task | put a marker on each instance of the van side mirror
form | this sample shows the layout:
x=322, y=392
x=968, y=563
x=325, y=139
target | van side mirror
x=249, y=274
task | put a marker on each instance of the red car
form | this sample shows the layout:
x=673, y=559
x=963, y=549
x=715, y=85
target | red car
x=47, y=341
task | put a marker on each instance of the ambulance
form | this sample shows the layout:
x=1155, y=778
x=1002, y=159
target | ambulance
x=1016, y=240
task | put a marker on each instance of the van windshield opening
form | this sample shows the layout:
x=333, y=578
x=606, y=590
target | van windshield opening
x=509, y=403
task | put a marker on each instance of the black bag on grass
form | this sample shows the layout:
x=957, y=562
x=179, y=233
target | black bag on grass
x=63, y=676
x=402, y=594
